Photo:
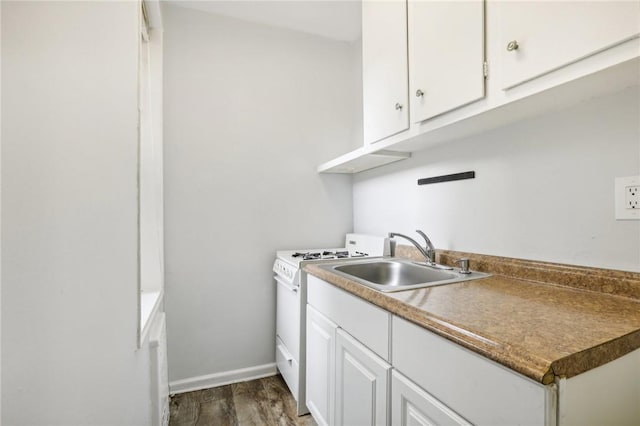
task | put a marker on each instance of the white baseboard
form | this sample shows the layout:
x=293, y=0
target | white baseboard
x=223, y=378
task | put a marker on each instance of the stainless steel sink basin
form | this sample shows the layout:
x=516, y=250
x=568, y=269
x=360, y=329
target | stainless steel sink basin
x=394, y=273
x=398, y=274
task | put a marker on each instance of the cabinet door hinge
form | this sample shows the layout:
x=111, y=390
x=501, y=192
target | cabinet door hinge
x=485, y=69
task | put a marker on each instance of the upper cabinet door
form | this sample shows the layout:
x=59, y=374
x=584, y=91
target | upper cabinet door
x=446, y=55
x=540, y=37
x=384, y=69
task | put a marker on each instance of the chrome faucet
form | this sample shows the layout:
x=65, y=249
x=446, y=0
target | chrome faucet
x=429, y=251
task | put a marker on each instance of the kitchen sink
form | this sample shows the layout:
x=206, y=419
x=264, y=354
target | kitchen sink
x=399, y=274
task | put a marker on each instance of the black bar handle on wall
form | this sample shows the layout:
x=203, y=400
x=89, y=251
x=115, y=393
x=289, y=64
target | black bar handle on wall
x=447, y=178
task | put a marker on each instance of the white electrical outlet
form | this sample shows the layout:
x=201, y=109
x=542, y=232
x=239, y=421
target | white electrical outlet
x=627, y=198
x=631, y=197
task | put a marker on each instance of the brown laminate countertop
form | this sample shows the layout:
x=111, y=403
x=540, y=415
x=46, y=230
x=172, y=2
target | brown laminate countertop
x=538, y=329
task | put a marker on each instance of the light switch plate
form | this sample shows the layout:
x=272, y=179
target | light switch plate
x=626, y=195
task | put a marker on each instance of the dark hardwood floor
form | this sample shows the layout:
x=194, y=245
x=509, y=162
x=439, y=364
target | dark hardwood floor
x=258, y=402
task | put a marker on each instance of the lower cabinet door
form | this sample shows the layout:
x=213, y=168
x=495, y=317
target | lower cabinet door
x=321, y=346
x=362, y=380
x=412, y=406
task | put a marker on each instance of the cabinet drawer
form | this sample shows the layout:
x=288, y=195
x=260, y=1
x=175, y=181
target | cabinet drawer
x=364, y=321
x=288, y=366
x=480, y=390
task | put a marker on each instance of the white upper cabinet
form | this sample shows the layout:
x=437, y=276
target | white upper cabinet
x=540, y=37
x=445, y=44
x=446, y=55
x=384, y=69
x=538, y=55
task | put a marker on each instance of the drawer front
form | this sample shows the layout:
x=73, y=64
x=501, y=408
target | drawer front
x=480, y=390
x=288, y=367
x=364, y=321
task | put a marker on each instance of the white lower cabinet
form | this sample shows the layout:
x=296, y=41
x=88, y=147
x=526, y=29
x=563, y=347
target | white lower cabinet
x=368, y=367
x=348, y=375
x=413, y=406
x=321, y=348
x=362, y=381
x=479, y=390
x=353, y=347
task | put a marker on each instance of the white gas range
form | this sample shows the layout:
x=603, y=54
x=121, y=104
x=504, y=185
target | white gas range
x=292, y=299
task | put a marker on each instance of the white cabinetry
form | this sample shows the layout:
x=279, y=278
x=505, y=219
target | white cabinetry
x=538, y=55
x=478, y=389
x=433, y=381
x=362, y=380
x=384, y=69
x=539, y=37
x=366, y=322
x=347, y=345
x=412, y=406
x=446, y=55
x=321, y=347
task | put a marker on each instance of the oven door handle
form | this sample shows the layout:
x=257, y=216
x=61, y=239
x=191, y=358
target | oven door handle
x=287, y=285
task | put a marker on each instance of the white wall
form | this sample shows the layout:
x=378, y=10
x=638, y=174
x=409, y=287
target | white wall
x=69, y=215
x=543, y=189
x=250, y=111
x=358, y=139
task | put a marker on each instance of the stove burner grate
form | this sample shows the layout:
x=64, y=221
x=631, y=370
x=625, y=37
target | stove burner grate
x=328, y=255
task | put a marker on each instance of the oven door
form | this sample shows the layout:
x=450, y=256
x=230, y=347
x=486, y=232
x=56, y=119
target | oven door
x=288, y=315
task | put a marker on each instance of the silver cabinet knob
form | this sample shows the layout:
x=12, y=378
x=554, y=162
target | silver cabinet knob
x=398, y=106
x=512, y=45
x=419, y=93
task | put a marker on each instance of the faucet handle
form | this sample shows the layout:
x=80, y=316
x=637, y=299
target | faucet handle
x=430, y=249
x=464, y=265
x=423, y=235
